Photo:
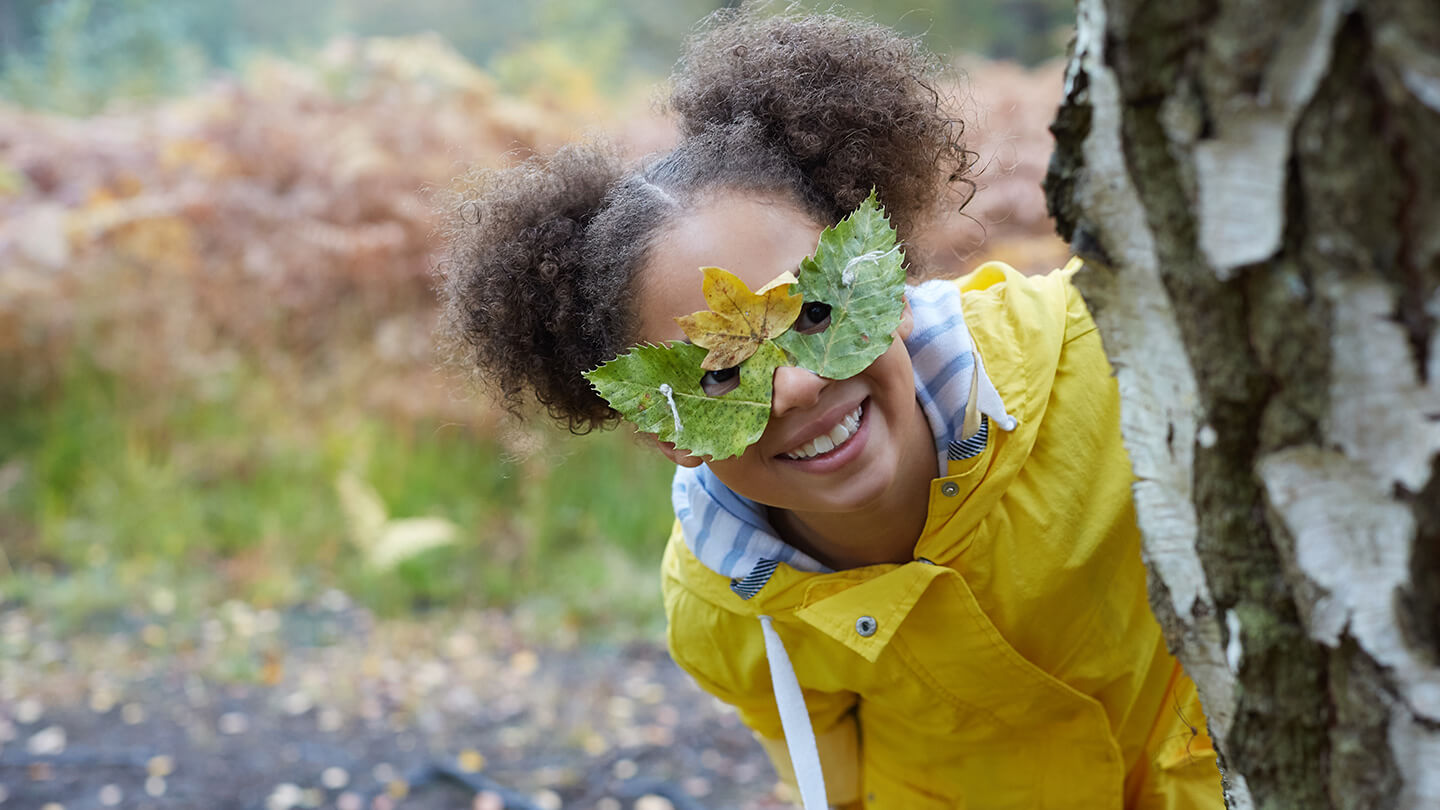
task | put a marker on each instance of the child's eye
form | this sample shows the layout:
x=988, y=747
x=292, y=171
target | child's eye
x=814, y=318
x=715, y=383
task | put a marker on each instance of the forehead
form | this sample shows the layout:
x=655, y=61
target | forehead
x=756, y=238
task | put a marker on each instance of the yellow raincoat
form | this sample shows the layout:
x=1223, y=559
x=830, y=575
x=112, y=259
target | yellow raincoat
x=1015, y=663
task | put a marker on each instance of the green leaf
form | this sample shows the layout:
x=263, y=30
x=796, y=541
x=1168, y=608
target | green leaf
x=718, y=427
x=859, y=271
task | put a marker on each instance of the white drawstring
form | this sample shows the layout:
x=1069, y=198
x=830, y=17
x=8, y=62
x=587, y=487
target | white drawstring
x=795, y=720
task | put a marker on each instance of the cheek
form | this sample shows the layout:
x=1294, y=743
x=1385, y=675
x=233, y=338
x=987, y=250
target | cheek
x=894, y=368
x=894, y=382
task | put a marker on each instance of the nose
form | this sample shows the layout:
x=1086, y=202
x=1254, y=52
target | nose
x=795, y=389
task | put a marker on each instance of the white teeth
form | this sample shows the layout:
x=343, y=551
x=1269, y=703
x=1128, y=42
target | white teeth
x=826, y=442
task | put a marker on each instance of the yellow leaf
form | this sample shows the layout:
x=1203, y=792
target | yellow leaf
x=739, y=320
x=471, y=761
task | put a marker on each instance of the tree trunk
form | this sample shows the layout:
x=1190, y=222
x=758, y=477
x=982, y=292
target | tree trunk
x=1257, y=188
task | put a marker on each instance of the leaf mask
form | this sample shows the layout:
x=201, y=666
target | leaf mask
x=711, y=396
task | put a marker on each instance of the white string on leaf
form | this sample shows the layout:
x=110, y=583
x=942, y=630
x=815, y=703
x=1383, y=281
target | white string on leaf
x=670, y=398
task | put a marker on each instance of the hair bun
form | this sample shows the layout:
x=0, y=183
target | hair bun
x=517, y=293
x=854, y=105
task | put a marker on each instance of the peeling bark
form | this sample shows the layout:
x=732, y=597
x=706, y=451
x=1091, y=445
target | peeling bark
x=1256, y=190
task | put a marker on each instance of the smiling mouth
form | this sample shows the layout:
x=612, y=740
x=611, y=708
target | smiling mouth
x=834, y=438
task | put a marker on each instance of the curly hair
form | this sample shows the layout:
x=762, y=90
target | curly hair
x=539, y=283
x=521, y=306
x=855, y=105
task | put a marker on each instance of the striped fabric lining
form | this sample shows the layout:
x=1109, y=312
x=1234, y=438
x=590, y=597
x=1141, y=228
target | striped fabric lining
x=973, y=446
x=755, y=580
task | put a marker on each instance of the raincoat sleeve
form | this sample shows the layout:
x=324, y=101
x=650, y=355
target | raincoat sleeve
x=725, y=653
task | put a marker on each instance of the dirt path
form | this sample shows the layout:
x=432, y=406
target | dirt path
x=324, y=707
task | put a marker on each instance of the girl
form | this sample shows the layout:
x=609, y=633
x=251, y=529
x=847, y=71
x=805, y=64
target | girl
x=918, y=581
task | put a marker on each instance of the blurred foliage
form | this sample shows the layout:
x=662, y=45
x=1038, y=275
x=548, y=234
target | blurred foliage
x=76, y=56
x=85, y=56
x=624, y=39
x=224, y=493
x=216, y=363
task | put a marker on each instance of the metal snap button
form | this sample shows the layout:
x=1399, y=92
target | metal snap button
x=866, y=626
x=949, y=488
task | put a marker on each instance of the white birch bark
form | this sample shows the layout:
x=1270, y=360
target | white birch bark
x=1285, y=489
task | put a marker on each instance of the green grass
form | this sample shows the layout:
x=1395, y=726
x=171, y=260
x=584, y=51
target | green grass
x=109, y=493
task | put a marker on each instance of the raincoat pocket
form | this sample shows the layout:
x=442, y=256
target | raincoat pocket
x=885, y=792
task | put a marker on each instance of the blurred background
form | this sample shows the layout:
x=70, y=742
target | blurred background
x=231, y=469
x=216, y=369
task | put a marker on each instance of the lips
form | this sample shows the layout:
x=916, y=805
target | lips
x=828, y=441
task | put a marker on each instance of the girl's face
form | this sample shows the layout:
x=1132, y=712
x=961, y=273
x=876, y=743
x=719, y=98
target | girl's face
x=872, y=419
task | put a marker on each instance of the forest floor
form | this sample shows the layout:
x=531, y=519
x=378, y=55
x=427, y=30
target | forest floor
x=324, y=706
